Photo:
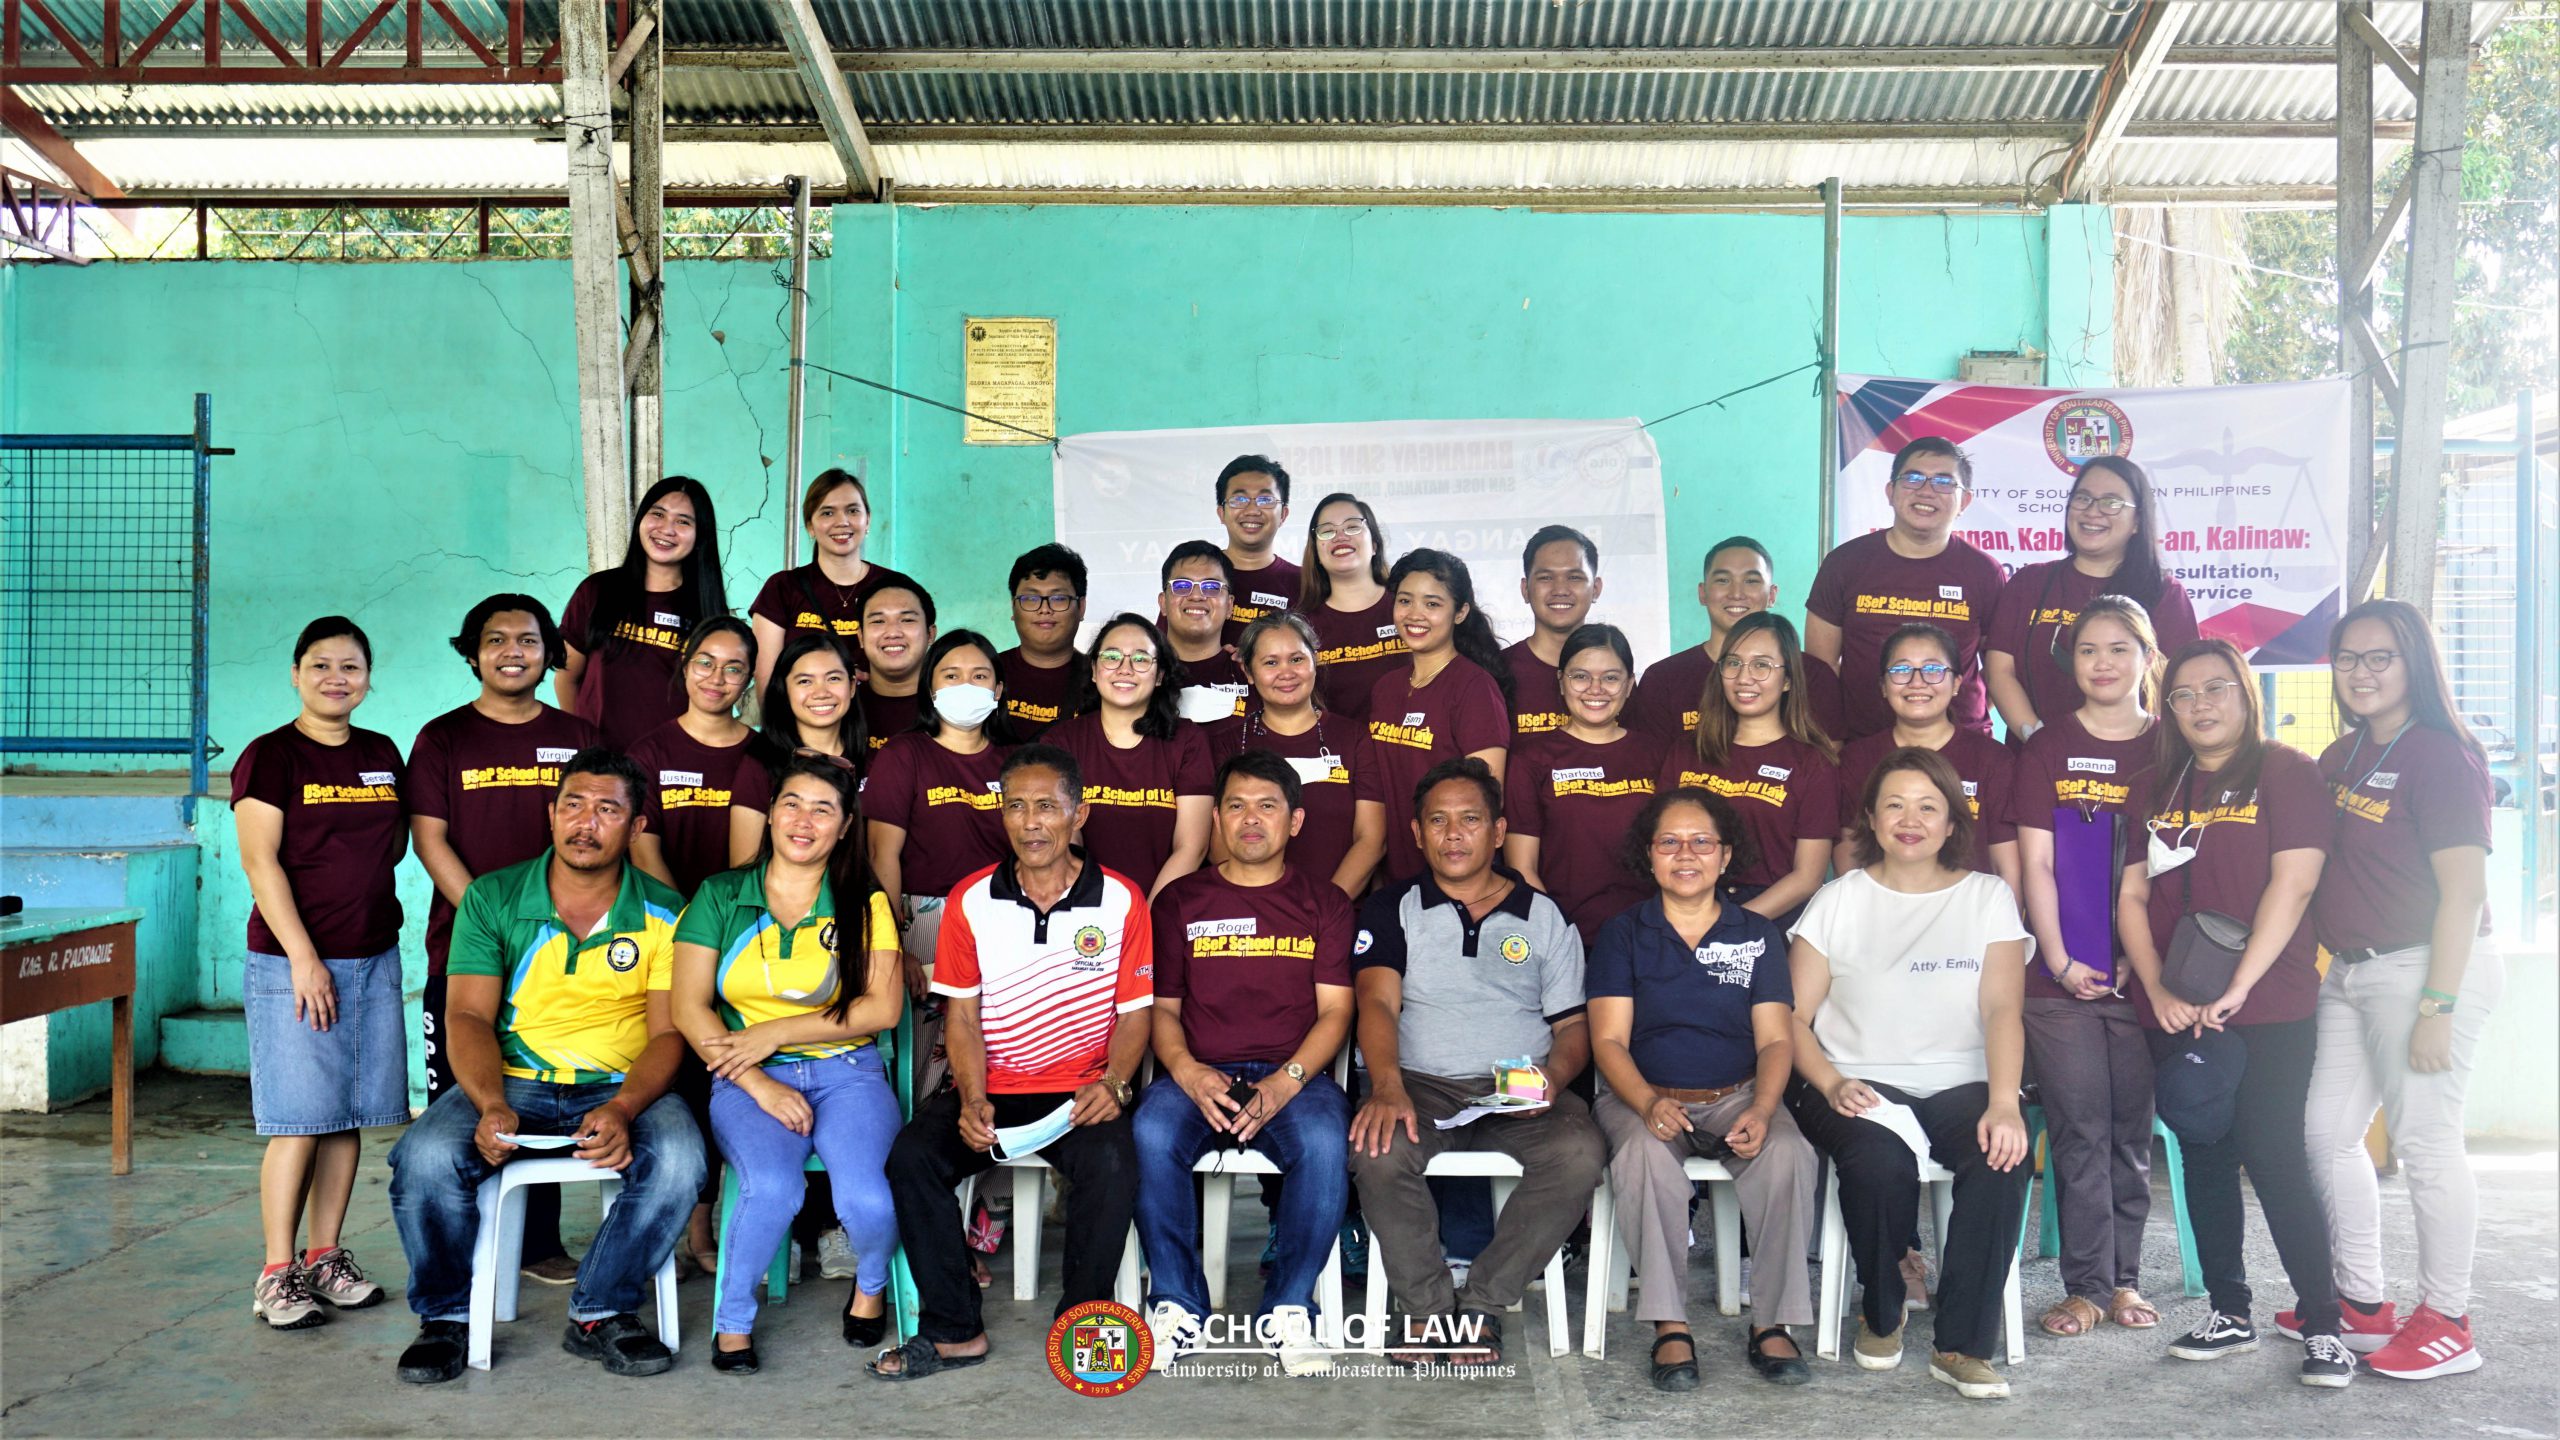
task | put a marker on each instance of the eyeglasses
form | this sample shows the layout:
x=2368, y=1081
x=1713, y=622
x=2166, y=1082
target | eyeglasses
x=1927, y=672
x=2216, y=691
x=1603, y=680
x=1687, y=844
x=2103, y=504
x=1264, y=501
x=838, y=761
x=1760, y=666
x=2348, y=662
x=1211, y=588
x=1348, y=529
x=1139, y=660
x=705, y=664
x=1914, y=480
x=1046, y=602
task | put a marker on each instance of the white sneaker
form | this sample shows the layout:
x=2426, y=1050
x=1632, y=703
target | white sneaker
x=1293, y=1339
x=1176, y=1331
x=835, y=1255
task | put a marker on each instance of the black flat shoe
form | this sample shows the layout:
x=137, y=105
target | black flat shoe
x=1776, y=1369
x=437, y=1355
x=733, y=1362
x=864, y=1331
x=1675, y=1375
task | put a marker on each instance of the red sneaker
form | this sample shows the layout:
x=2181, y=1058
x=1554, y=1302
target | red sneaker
x=2428, y=1346
x=2364, y=1334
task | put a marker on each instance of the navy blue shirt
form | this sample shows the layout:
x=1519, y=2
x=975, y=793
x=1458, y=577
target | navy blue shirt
x=1693, y=1003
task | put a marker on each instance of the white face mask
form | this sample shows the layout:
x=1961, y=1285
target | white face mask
x=964, y=705
x=2165, y=857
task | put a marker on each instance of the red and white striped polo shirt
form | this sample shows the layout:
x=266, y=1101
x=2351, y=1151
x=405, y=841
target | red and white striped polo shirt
x=1049, y=984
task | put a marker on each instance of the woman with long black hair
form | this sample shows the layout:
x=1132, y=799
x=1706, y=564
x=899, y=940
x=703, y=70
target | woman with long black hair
x=785, y=970
x=2111, y=529
x=625, y=627
x=809, y=706
x=824, y=596
x=1758, y=745
x=1342, y=590
x=693, y=763
x=1452, y=698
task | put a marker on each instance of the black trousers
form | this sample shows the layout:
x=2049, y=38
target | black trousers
x=2266, y=1139
x=1099, y=1163
x=541, y=1202
x=1879, y=1188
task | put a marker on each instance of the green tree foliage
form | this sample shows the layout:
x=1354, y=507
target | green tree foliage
x=2503, y=322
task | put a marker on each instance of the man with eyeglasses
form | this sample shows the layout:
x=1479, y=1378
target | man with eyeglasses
x=1560, y=578
x=1199, y=587
x=1740, y=580
x=1253, y=503
x=1044, y=675
x=1918, y=569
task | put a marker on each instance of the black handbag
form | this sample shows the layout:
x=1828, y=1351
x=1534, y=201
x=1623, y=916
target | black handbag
x=2205, y=948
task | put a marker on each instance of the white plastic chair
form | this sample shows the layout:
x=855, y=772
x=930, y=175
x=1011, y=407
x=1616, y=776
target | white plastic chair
x=1218, y=1170
x=1505, y=1174
x=1836, y=1266
x=1605, y=1289
x=496, y=1275
x=1029, y=1177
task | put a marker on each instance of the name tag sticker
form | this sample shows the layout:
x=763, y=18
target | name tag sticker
x=1265, y=597
x=1972, y=789
x=553, y=754
x=1950, y=592
x=1202, y=929
x=2087, y=765
x=373, y=777
x=672, y=622
x=2383, y=780
x=1386, y=632
x=1774, y=772
x=1415, y=718
x=679, y=777
x=1579, y=772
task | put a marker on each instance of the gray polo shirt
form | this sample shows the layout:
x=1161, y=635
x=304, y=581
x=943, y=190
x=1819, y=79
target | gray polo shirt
x=1476, y=992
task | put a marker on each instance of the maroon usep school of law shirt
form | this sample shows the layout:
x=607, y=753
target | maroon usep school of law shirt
x=1037, y=696
x=1358, y=648
x=1984, y=765
x=803, y=598
x=886, y=717
x=1130, y=794
x=1410, y=730
x=1219, y=672
x=1577, y=800
x=690, y=787
x=2042, y=600
x=1266, y=591
x=491, y=783
x=1537, y=703
x=947, y=802
x=1326, y=757
x=2397, y=804
x=1245, y=961
x=1665, y=703
x=629, y=687
x=1869, y=592
x=1786, y=792
x=2237, y=836
x=345, y=824
x=2064, y=765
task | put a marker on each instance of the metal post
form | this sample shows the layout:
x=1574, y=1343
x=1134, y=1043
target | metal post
x=586, y=103
x=1827, y=473
x=200, y=720
x=2355, y=301
x=2527, y=727
x=799, y=372
x=2426, y=311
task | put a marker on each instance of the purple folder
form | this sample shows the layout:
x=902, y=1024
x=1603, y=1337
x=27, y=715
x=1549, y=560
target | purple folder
x=2084, y=879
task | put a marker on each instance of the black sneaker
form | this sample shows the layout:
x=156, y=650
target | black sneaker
x=619, y=1343
x=437, y=1355
x=2218, y=1336
x=2327, y=1362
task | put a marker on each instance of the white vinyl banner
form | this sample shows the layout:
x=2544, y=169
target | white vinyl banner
x=1475, y=488
x=2251, y=481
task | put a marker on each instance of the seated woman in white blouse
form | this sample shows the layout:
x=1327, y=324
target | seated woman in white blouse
x=1910, y=973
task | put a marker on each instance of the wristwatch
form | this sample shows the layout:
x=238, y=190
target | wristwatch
x=2429, y=1007
x=1122, y=1092
x=1295, y=1071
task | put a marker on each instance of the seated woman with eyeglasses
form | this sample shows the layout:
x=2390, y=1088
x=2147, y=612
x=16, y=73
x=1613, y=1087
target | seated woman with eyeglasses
x=2240, y=827
x=1147, y=775
x=1758, y=746
x=809, y=709
x=1908, y=972
x=1691, y=1025
x=1919, y=683
x=784, y=971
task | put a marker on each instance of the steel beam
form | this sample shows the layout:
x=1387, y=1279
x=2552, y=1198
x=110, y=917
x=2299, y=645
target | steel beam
x=2355, y=296
x=594, y=249
x=1342, y=60
x=36, y=214
x=827, y=91
x=239, y=46
x=2121, y=91
x=2426, y=309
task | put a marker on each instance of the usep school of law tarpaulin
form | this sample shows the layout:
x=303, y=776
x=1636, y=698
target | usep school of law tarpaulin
x=1475, y=488
x=2251, y=482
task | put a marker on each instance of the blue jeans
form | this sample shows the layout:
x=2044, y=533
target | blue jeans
x=1308, y=1140
x=854, y=1119
x=435, y=1196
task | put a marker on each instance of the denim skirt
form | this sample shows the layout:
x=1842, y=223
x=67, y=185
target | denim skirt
x=318, y=1082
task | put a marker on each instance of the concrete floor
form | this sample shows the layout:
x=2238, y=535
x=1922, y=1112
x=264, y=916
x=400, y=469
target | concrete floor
x=124, y=1304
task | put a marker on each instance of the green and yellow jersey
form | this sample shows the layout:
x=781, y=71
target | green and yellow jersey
x=769, y=971
x=573, y=1011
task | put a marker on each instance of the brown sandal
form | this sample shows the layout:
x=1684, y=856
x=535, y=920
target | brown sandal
x=2131, y=1311
x=2074, y=1316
